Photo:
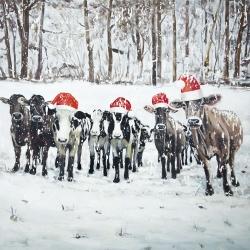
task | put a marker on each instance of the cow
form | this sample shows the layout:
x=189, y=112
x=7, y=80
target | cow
x=66, y=133
x=20, y=127
x=169, y=135
x=214, y=133
x=120, y=132
x=41, y=133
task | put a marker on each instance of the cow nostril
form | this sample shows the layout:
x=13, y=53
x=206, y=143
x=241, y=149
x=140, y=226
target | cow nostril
x=17, y=116
x=61, y=140
x=37, y=118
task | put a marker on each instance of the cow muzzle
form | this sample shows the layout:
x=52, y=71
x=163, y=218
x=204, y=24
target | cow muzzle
x=194, y=122
x=160, y=126
x=17, y=116
x=37, y=118
x=62, y=140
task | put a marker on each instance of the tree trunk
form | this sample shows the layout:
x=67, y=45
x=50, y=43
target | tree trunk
x=239, y=40
x=159, y=39
x=88, y=42
x=153, y=31
x=206, y=62
x=187, y=30
x=247, y=50
x=174, y=42
x=7, y=42
x=110, y=53
x=25, y=39
x=227, y=43
x=40, y=48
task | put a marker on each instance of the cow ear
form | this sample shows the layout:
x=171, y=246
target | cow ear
x=5, y=100
x=81, y=115
x=212, y=99
x=51, y=109
x=149, y=109
x=176, y=104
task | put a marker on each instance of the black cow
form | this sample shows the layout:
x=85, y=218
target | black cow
x=20, y=127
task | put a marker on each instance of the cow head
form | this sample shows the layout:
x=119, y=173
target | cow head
x=106, y=117
x=37, y=110
x=18, y=107
x=65, y=122
x=96, y=117
x=194, y=109
x=145, y=133
x=117, y=126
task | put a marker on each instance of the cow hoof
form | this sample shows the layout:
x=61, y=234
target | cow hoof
x=219, y=175
x=164, y=177
x=60, y=178
x=178, y=171
x=105, y=174
x=91, y=171
x=33, y=171
x=168, y=169
x=235, y=183
x=228, y=191
x=44, y=172
x=79, y=166
x=173, y=176
x=27, y=169
x=209, y=191
x=97, y=166
x=70, y=179
x=134, y=170
x=116, y=180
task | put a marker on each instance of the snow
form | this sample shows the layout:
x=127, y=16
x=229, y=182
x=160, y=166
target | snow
x=143, y=213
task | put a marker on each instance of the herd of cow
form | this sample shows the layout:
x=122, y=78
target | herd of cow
x=209, y=132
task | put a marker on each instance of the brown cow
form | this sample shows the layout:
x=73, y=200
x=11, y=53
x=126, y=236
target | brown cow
x=214, y=133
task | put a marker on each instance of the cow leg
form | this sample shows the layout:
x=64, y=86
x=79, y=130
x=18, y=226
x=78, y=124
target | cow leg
x=79, y=155
x=226, y=187
x=61, y=166
x=121, y=159
x=126, y=170
x=117, y=171
x=98, y=159
x=179, y=167
x=219, y=174
x=35, y=157
x=17, y=157
x=27, y=166
x=104, y=162
x=91, y=165
x=168, y=161
x=139, y=159
x=173, y=171
x=209, y=188
x=163, y=167
x=70, y=168
x=44, y=160
x=234, y=181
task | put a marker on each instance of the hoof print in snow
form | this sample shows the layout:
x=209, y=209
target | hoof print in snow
x=98, y=212
x=201, y=207
x=227, y=223
x=243, y=171
x=79, y=236
x=199, y=229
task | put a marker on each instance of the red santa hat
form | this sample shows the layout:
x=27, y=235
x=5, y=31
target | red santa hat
x=160, y=100
x=191, y=88
x=65, y=101
x=120, y=105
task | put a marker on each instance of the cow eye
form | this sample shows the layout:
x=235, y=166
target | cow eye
x=56, y=125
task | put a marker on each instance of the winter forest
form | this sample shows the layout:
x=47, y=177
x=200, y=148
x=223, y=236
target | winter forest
x=124, y=124
x=124, y=41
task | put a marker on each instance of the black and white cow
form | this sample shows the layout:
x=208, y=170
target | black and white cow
x=20, y=127
x=41, y=133
x=99, y=141
x=66, y=132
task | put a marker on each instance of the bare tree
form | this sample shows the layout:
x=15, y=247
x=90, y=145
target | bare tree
x=187, y=29
x=239, y=40
x=88, y=42
x=159, y=39
x=227, y=43
x=109, y=39
x=247, y=50
x=174, y=42
x=40, y=48
x=6, y=39
x=209, y=44
x=153, y=32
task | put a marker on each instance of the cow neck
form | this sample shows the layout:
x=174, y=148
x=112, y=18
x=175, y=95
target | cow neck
x=199, y=134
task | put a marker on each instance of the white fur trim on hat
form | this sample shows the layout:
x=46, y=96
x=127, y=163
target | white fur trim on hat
x=118, y=110
x=161, y=105
x=66, y=107
x=192, y=95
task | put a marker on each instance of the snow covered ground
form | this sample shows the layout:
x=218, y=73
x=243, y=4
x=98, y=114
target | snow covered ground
x=142, y=213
